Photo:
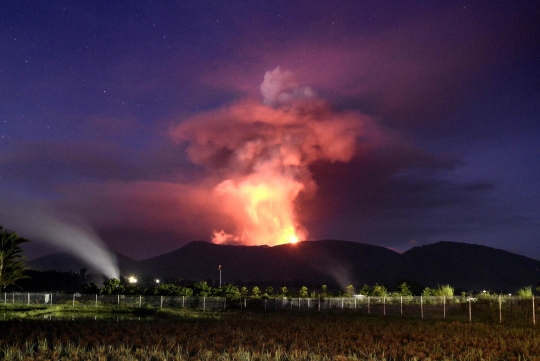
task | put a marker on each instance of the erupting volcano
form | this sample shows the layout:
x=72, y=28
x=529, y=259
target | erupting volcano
x=257, y=155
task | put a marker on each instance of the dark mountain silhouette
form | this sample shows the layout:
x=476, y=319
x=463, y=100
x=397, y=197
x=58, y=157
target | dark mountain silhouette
x=312, y=262
x=468, y=266
x=332, y=262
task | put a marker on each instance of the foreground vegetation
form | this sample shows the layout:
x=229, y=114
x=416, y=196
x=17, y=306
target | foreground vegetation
x=194, y=335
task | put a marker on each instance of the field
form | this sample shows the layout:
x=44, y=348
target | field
x=195, y=335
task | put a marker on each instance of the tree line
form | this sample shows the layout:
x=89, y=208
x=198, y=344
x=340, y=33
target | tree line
x=123, y=286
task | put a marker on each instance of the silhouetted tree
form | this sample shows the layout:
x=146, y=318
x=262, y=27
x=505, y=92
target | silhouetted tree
x=525, y=292
x=404, y=289
x=444, y=290
x=12, y=266
x=379, y=291
x=112, y=287
x=255, y=292
x=268, y=292
x=202, y=289
x=324, y=290
x=91, y=288
x=428, y=292
x=303, y=292
x=366, y=290
x=230, y=292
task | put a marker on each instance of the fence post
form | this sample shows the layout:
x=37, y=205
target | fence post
x=73, y=300
x=118, y=297
x=12, y=297
x=401, y=305
x=96, y=299
x=355, y=304
x=161, y=302
x=534, y=316
x=265, y=304
x=5, y=298
x=470, y=310
x=51, y=299
x=28, y=297
x=384, y=305
x=183, y=302
x=368, y=303
x=342, y=303
x=500, y=309
x=444, y=306
x=204, y=303
x=140, y=301
x=422, y=306
x=319, y=307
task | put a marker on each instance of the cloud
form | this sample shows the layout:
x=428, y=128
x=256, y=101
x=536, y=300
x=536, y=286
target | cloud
x=279, y=88
x=410, y=72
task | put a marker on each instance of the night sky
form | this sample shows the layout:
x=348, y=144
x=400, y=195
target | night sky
x=394, y=123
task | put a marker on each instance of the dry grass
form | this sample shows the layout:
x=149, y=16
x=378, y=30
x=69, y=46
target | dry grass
x=265, y=336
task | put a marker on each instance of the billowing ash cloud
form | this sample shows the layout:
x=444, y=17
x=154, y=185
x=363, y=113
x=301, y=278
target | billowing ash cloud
x=258, y=156
x=279, y=87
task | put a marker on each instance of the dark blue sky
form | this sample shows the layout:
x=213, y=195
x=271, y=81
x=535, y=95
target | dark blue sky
x=108, y=111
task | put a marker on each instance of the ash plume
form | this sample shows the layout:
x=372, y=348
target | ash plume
x=257, y=156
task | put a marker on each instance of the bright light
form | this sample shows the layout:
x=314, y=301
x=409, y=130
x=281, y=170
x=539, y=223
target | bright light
x=157, y=280
x=293, y=239
x=132, y=279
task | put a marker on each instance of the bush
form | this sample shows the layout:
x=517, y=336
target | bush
x=525, y=292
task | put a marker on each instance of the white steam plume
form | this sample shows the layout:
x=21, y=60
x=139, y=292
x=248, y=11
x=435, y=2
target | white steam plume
x=77, y=239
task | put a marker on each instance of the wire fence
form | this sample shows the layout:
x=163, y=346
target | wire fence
x=499, y=309
x=491, y=308
x=96, y=300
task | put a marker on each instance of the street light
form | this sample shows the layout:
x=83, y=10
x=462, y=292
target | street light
x=132, y=279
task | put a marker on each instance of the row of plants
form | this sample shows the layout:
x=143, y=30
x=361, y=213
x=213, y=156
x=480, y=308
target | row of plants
x=255, y=336
x=230, y=291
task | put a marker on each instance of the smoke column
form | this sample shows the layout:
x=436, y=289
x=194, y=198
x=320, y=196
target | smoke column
x=258, y=156
x=79, y=240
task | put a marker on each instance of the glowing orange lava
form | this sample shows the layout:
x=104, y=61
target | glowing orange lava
x=264, y=207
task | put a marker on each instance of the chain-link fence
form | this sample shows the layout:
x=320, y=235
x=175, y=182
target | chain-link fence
x=500, y=309
x=134, y=301
x=497, y=309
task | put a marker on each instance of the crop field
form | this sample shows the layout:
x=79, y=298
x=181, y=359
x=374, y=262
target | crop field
x=194, y=335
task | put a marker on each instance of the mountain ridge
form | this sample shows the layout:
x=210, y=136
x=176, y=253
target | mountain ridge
x=334, y=262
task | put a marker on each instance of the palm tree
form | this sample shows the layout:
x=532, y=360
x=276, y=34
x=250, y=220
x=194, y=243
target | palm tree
x=11, y=265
